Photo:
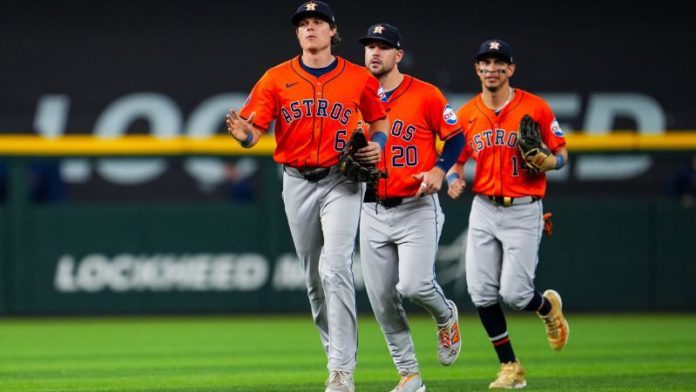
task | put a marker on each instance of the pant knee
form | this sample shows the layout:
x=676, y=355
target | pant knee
x=335, y=273
x=411, y=291
x=516, y=301
x=481, y=297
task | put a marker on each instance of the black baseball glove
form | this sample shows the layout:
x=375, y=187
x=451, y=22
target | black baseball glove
x=533, y=151
x=353, y=169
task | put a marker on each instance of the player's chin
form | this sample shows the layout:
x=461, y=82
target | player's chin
x=492, y=86
x=376, y=69
x=314, y=45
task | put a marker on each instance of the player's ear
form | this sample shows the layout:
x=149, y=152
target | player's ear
x=511, y=70
x=399, y=55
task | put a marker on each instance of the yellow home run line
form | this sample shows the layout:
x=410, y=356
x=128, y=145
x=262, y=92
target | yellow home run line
x=146, y=145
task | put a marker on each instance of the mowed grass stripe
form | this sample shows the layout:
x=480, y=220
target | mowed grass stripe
x=608, y=353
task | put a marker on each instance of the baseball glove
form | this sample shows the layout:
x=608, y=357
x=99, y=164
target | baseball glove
x=534, y=153
x=353, y=169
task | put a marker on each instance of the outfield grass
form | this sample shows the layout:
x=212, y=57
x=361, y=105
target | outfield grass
x=605, y=353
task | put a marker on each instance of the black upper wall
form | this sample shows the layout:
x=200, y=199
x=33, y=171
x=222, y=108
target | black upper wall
x=97, y=51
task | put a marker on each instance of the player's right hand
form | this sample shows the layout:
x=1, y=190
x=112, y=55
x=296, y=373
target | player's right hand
x=238, y=127
x=456, y=188
x=371, y=154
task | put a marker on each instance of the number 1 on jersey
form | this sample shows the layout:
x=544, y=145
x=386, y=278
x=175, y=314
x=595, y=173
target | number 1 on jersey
x=515, y=166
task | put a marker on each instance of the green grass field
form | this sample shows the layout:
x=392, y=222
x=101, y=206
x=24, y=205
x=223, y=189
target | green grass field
x=655, y=352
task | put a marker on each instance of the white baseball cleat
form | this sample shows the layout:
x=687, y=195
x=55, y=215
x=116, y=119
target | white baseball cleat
x=410, y=382
x=340, y=381
x=449, y=340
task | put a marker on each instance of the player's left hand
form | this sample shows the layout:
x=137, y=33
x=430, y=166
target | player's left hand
x=456, y=188
x=372, y=153
x=548, y=224
x=431, y=181
x=238, y=127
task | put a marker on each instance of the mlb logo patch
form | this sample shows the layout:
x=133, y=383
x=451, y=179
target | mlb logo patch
x=382, y=95
x=449, y=115
x=556, y=128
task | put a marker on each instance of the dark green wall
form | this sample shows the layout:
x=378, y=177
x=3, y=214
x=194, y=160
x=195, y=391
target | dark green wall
x=604, y=255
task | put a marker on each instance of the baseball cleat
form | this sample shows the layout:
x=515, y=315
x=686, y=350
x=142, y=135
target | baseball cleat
x=449, y=340
x=557, y=329
x=510, y=376
x=340, y=381
x=410, y=382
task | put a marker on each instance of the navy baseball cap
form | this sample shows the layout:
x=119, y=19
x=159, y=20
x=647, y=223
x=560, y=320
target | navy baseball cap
x=495, y=48
x=383, y=32
x=317, y=9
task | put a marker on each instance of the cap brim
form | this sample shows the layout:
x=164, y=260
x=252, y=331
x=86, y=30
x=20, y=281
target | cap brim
x=366, y=41
x=497, y=55
x=310, y=14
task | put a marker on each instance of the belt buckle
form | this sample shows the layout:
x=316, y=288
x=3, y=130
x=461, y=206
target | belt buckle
x=504, y=201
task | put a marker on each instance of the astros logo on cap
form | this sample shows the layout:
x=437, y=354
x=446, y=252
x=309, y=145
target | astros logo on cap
x=378, y=30
x=311, y=7
x=494, y=45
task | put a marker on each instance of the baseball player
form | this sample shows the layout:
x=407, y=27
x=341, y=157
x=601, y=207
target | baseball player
x=401, y=219
x=313, y=99
x=506, y=222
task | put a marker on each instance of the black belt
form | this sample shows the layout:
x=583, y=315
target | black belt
x=312, y=174
x=507, y=201
x=390, y=202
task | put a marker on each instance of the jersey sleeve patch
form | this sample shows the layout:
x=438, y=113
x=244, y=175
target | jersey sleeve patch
x=449, y=115
x=381, y=94
x=556, y=128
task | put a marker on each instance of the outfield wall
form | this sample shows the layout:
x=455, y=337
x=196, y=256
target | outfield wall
x=606, y=254
x=163, y=233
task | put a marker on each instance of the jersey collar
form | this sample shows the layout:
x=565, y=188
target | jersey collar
x=401, y=88
x=297, y=67
x=510, y=106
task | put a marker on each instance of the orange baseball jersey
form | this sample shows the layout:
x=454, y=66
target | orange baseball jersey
x=492, y=141
x=418, y=111
x=314, y=116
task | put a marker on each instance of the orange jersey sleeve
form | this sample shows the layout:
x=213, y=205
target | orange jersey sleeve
x=419, y=113
x=313, y=115
x=491, y=140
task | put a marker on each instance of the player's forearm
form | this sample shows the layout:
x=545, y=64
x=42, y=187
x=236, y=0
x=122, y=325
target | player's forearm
x=561, y=156
x=556, y=161
x=379, y=126
x=450, y=152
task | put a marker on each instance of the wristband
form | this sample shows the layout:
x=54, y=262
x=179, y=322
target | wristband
x=247, y=142
x=380, y=138
x=452, y=177
x=559, y=161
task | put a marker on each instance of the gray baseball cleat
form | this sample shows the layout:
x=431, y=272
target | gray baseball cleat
x=340, y=381
x=449, y=340
x=410, y=382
